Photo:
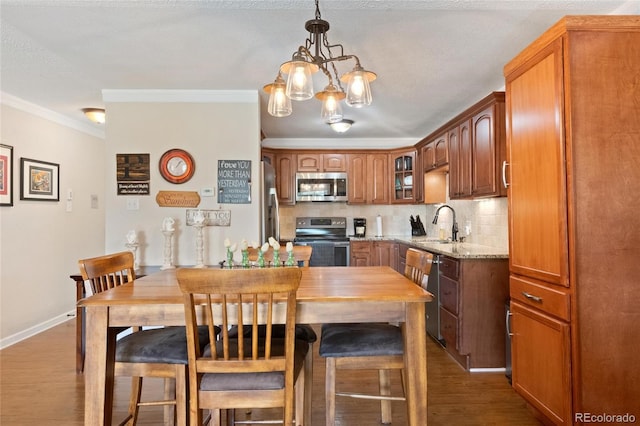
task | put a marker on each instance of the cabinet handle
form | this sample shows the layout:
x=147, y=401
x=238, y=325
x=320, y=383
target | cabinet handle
x=532, y=297
x=508, y=323
x=504, y=174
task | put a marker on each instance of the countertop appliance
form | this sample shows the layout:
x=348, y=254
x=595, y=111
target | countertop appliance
x=321, y=186
x=359, y=227
x=269, y=209
x=328, y=238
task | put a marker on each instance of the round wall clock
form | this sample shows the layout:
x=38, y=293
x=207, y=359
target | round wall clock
x=177, y=166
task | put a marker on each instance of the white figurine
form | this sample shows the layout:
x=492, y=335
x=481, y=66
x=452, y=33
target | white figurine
x=132, y=237
x=168, y=224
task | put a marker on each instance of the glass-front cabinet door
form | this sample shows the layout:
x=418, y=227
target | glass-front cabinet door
x=403, y=176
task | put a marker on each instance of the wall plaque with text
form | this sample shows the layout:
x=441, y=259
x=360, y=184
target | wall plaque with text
x=178, y=198
x=234, y=181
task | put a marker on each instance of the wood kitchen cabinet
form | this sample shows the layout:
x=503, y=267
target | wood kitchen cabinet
x=368, y=178
x=460, y=167
x=285, y=165
x=403, y=165
x=321, y=162
x=385, y=253
x=360, y=253
x=472, y=297
x=435, y=153
x=374, y=253
x=572, y=123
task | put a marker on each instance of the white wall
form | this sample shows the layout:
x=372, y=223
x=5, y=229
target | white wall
x=40, y=242
x=211, y=126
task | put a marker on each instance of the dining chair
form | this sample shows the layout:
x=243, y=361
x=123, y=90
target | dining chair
x=302, y=256
x=247, y=371
x=369, y=346
x=159, y=352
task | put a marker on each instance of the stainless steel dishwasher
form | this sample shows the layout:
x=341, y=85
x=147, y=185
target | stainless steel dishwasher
x=433, y=307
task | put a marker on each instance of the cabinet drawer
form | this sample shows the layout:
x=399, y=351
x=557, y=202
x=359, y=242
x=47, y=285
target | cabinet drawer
x=449, y=267
x=360, y=246
x=554, y=301
x=449, y=328
x=449, y=294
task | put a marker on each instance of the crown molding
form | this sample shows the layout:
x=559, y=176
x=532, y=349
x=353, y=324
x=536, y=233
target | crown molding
x=31, y=108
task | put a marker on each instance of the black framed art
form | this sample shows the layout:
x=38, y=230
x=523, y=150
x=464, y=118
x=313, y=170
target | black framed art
x=39, y=180
x=6, y=175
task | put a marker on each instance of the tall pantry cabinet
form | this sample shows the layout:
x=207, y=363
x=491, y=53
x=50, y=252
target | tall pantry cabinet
x=573, y=175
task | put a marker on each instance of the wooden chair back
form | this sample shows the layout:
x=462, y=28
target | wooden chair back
x=301, y=254
x=246, y=297
x=108, y=271
x=418, y=265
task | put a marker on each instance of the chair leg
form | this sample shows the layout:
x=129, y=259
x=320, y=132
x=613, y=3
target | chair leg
x=385, y=389
x=169, y=411
x=330, y=391
x=181, y=393
x=134, y=400
x=300, y=408
x=308, y=386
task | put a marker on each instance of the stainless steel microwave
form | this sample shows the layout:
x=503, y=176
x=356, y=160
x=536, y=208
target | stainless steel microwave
x=321, y=187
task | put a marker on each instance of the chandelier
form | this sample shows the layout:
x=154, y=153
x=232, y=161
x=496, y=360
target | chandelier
x=318, y=54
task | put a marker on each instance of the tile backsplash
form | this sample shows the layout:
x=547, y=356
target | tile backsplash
x=486, y=218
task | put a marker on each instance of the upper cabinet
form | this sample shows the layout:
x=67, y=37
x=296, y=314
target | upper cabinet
x=368, y=178
x=316, y=162
x=403, y=165
x=477, y=148
x=435, y=153
x=285, y=165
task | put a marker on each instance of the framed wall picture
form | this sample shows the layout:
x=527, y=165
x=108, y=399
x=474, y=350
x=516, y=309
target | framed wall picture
x=6, y=175
x=39, y=180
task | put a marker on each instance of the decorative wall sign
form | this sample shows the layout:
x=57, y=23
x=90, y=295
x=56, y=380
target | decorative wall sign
x=133, y=174
x=234, y=181
x=39, y=180
x=6, y=175
x=177, y=166
x=211, y=217
x=178, y=198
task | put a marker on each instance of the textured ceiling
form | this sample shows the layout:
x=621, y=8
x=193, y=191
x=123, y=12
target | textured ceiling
x=433, y=58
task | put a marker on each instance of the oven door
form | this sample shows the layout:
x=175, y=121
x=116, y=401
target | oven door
x=328, y=252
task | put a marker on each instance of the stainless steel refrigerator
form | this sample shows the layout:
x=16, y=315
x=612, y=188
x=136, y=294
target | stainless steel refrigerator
x=269, y=209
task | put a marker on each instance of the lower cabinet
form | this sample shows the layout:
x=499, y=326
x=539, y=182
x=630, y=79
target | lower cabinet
x=541, y=362
x=360, y=253
x=472, y=294
x=374, y=253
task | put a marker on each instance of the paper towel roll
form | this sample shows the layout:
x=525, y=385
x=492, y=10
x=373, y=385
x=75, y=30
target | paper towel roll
x=379, y=226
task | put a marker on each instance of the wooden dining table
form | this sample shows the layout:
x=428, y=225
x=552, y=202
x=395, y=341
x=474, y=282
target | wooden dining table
x=326, y=294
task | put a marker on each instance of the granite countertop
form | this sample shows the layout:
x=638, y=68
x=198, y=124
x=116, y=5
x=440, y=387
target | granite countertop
x=456, y=250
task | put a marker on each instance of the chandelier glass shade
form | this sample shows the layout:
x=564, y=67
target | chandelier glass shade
x=279, y=102
x=317, y=54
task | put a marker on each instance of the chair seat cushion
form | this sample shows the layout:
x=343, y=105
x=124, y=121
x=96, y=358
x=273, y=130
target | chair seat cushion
x=349, y=340
x=166, y=345
x=251, y=381
x=303, y=332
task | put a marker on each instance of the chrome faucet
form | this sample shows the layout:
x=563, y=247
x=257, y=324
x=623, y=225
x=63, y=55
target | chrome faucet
x=454, y=228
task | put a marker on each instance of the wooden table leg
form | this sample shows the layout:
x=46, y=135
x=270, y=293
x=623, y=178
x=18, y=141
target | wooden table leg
x=415, y=360
x=99, y=371
x=80, y=294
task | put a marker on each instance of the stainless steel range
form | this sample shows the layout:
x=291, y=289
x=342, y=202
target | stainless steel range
x=328, y=238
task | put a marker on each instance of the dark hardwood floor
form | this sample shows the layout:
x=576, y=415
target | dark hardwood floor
x=39, y=386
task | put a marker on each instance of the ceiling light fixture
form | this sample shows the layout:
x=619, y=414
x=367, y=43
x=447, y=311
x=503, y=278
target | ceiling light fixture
x=97, y=115
x=316, y=55
x=342, y=125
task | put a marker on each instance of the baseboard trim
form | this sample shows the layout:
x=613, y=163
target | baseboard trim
x=487, y=370
x=38, y=328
